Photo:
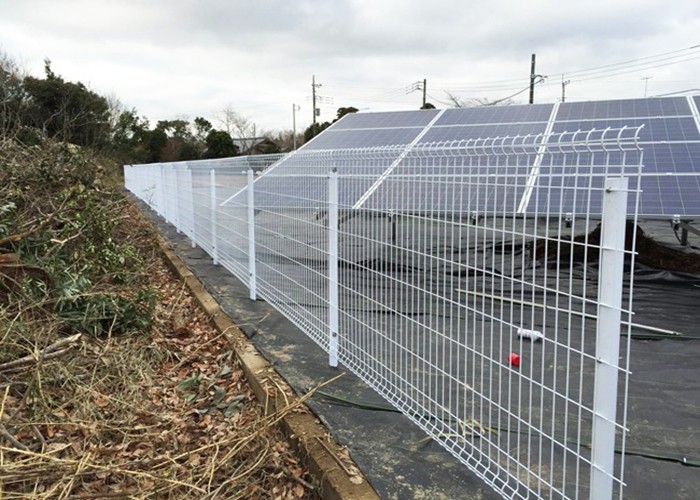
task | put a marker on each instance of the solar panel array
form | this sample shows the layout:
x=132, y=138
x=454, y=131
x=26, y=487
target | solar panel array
x=670, y=140
x=444, y=192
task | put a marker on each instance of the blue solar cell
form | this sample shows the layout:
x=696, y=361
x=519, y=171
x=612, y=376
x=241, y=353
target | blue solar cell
x=670, y=106
x=452, y=197
x=560, y=193
x=666, y=187
x=672, y=158
x=573, y=182
x=655, y=129
x=681, y=195
x=626, y=108
x=496, y=114
x=464, y=132
x=419, y=118
x=362, y=138
x=305, y=192
x=463, y=185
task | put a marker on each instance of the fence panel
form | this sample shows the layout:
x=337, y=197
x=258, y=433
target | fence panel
x=460, y=280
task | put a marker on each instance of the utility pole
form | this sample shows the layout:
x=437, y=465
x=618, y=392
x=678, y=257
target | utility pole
x=532, y=80
x=295, y=108
x=425, y=90
x=646, y=84
x=314, y=86
x=564, y=83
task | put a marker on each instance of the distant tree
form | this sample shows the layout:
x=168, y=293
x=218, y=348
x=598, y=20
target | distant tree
x=65, y=110
x=175, y=128
x=455, y=101
x=220, y=145
x=178, y=145
x=238, y=126
x=271, y=148
x=314, y=129
x=130, y=137
x=13, y=99
x=476, y=102
x=129, y=126
x=202, y=127
x=284, y=139
x=115, y=108
x=156, y=141
x=190, y=150
x=344, y=111
x=196, y=146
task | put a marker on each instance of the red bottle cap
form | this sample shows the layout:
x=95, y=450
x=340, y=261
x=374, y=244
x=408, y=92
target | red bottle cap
x=514, y=359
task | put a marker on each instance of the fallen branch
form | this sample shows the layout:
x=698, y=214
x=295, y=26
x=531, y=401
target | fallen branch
x=23, y=234
x=83, y=463
x=49, y=352
x=4, y=433
x=335, y=457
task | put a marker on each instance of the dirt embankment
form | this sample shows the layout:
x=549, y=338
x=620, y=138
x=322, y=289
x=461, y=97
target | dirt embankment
x=649, y=252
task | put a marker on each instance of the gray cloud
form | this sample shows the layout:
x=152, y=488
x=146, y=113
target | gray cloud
x=186, y=57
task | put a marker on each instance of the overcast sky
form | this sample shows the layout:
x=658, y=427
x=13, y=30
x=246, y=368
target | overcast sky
x=186, y=58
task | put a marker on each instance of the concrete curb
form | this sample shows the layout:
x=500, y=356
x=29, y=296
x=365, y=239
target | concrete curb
x=337, y=477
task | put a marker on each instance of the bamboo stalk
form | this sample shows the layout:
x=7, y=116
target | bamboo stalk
x=52, y=351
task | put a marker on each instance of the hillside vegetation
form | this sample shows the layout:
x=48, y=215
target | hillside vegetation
x=112, y=382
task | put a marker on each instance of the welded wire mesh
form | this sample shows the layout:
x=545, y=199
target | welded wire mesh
x=468, y=285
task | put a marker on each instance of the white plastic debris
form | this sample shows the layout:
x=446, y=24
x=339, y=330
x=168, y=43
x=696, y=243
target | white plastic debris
x=533, y=335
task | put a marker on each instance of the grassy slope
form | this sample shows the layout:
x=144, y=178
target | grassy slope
x=112, y=382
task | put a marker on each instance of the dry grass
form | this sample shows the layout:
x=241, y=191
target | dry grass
x=167, y=415
x=125, y=401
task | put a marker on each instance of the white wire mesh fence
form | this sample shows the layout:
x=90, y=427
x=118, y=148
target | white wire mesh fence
x=467, y=282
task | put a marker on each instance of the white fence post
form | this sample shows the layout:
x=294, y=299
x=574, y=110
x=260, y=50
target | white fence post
x=176, y=190
x=610, y=275
x=190, y=207
x=333, y=268
x=251, y=236
x=162, y=189
x=212, y=216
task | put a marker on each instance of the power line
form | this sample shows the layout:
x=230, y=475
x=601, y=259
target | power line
x=515, y=86
x=604, y=71
x=630, y=70
x=637, y=61
x=444, y=103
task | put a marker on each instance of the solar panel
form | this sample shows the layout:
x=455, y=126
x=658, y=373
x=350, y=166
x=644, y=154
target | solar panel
x=668, y=129
x=301, y=181
x=464, y=132
x=573, y=183
x=475, y=183
x=363, y=138
x=419, y=118
x=625, y=108
x=670, y=140
x=498, y=114
x=684, y=188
